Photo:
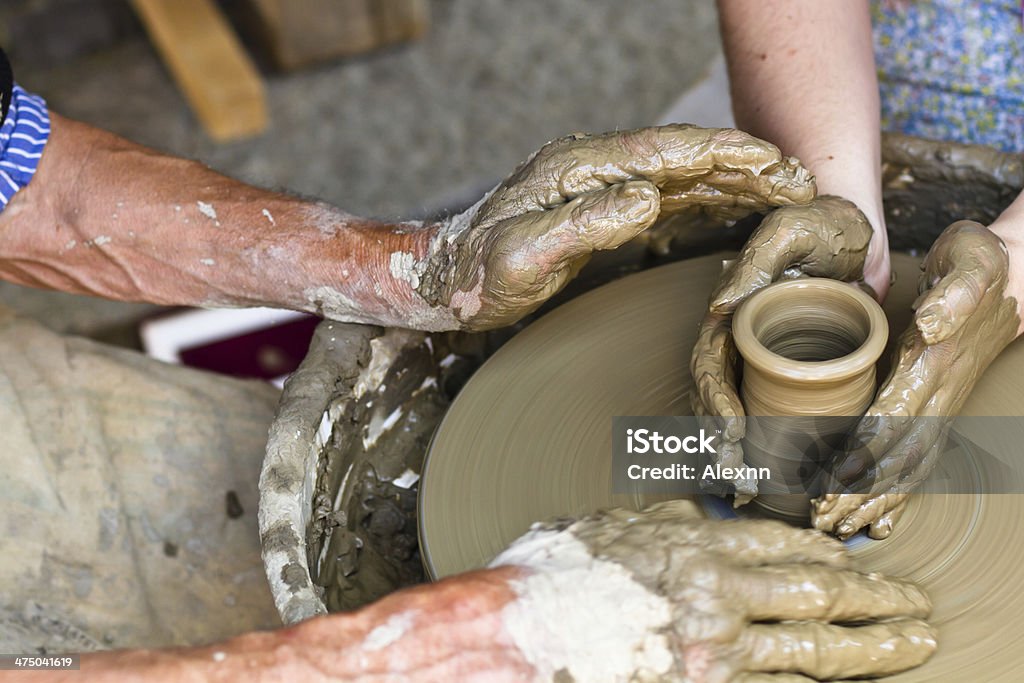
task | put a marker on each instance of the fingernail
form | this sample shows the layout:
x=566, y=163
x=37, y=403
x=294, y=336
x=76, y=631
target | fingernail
x=928, y=319
x=880, y=531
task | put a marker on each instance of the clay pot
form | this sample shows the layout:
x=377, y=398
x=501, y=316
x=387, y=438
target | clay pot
x=809, y=350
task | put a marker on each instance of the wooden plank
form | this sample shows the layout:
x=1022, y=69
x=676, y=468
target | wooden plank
x=400, y=20
x=301, y=32
x=209, y=65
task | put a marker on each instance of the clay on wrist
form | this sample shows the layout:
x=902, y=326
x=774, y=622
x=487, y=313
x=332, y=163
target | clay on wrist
x=369, y=272
x=425, y=275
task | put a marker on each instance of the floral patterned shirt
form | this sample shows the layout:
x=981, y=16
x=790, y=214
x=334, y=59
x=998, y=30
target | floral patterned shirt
x=952, y=69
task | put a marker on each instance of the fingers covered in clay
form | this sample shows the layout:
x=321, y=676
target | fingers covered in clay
x=881, y=527
x=509, y=271
x=716, y=403
x=706, y=163
x=892, y=455
x=503, y=257
x=698, y=599
x=839, y=651
x=713, y=366
x=748, y=543
x=729, y=454
x=827, y=238
x=805, y=592
x=896, y=462
x=963, y=319
x=603, y=219
x=967, y=265
x=533, y=245
x=844, y=514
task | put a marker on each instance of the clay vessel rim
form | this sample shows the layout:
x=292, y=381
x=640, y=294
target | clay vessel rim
x=768, y=362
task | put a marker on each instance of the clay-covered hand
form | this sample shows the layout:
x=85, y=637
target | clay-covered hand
x=503, y=257
x=826, y=238
x=963, y=319
x=659, y=595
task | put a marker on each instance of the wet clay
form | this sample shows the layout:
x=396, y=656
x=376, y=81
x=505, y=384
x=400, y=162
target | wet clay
x=926, y=185
x=809, y=349
x=333, y=362
x=341, y=478
x=728, y=598
x=503, y=257
x=963, y=320
x=827, y=238
x=530, y=434
x=359, y=409
x=362, y=541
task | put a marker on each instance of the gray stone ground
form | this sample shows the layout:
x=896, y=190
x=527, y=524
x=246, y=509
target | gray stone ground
x=410, y=131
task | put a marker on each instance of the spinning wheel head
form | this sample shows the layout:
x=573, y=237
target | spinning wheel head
x=528, y=439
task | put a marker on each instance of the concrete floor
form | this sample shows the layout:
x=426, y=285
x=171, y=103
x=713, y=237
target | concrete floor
x=416, y=130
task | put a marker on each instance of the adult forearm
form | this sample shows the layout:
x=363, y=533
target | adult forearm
x=802, y=75
x=108, y=217
x=446, y=631
x=1009, y=226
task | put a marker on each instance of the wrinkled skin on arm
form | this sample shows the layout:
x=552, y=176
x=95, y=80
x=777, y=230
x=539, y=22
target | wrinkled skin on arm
x=827, y=238
x=744, y=600
x=503, y=257
x=619, y=596
x=963, y=319
x=107, y=217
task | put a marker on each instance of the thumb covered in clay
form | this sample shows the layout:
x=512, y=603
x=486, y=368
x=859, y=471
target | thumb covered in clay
x=714, y=168
x=963, y=319
x=827, y=238
x=966, y=262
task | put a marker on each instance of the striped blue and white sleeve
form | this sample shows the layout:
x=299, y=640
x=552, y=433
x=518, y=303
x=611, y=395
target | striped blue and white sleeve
x=22, y=138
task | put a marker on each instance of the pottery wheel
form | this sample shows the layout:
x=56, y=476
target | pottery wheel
x=528, y=439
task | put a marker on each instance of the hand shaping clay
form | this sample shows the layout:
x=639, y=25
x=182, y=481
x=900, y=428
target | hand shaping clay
x=962, y=321
x=528, y=438
x=503, y=257
x=657, y=595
